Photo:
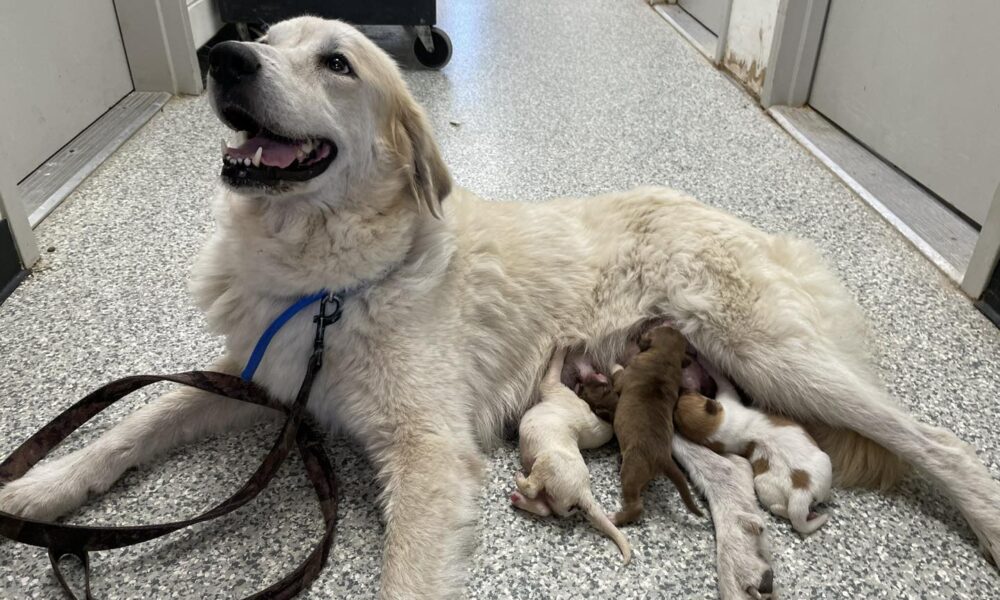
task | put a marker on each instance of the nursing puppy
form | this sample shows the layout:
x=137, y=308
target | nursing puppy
x=790, y=471
x=552, y=434
x=643, y=418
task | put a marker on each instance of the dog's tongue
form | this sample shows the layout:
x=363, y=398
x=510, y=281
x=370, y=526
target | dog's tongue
x=274, y=153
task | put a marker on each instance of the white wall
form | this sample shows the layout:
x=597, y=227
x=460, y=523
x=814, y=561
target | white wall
x=748, y=46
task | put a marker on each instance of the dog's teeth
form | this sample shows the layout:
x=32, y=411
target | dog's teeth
x=257, y=155
x=246, y=162
x=225, y=148
x=306, y=147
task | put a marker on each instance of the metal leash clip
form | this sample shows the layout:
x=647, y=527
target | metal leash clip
x=326, y=318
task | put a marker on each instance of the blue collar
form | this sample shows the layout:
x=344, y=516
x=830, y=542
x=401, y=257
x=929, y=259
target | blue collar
x=265, y=339
x=323, y=296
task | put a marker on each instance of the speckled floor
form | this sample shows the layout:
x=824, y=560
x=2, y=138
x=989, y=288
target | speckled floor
x=563, y=97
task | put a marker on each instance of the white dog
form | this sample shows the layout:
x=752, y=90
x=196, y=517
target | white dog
x=454, y=304
x=551, y=436
x=790, y=472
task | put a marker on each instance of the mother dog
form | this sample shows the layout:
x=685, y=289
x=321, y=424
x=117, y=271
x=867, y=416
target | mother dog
x=454, y=305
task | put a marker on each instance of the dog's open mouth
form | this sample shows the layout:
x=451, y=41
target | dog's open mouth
x=259, y=156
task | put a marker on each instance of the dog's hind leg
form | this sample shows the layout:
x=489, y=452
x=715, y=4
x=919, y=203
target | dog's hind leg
x=741, y=548
x=181, y=416
x=819, y=383
x=635, y=476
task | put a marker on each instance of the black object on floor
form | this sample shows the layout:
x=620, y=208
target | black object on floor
x=432, y=46
x=12, y=273
x=989, y=302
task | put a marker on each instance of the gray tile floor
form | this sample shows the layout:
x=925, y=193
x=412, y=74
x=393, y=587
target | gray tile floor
x=563, y=97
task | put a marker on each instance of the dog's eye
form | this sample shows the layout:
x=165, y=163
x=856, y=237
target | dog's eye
x=338, y=64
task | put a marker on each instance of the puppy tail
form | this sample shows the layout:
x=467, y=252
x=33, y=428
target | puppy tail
x=858, y=461
x=799, y=511
x=671, y=470
x=595, y=514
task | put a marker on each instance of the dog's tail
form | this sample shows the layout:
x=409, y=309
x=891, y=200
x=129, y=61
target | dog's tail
x=858, y=461
x=670, y=469
x=800, y=512
x=597, y=517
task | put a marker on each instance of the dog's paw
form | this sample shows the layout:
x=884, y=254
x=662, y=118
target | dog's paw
x=46, y=492
x=744, y=565
x=751, y=577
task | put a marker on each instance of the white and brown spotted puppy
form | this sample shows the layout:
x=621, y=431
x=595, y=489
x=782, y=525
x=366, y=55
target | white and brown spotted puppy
x=790, y=471
x=551, y=436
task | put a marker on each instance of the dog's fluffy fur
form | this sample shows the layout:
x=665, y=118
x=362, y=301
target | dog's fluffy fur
x=551, y=436
x=449, y=335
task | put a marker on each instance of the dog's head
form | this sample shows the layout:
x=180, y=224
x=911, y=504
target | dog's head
x=600, y=394
x=321, y=110
x=697, y=417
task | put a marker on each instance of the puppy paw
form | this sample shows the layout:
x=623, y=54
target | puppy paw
x=524, y=485
x=537, y=506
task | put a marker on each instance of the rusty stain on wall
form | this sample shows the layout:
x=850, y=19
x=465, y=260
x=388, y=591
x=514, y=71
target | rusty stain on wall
x=751, y=74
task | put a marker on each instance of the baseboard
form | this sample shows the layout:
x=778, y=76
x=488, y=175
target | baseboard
x=942, y=236
x=50, y=184
x=690, y=29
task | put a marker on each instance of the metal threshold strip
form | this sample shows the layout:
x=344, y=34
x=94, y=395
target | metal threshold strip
x=944, y=237
x=51, y=183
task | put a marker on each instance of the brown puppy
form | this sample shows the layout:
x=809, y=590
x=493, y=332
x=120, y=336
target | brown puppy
x=640, y=402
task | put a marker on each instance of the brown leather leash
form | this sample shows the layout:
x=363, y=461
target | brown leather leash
x=64, y=540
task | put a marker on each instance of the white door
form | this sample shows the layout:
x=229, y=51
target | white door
x=710, y=13
x=62, y=65
x=917, y=82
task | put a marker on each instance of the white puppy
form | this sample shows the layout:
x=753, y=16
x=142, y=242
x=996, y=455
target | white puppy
x=790, y=471
x=552, y=433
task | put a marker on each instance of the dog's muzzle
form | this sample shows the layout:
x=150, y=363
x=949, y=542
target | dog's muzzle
x=262, y=155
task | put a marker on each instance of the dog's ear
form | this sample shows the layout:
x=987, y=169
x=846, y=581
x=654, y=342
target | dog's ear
x=427, y=176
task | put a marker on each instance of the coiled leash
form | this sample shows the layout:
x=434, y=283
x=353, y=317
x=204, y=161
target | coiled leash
x=63, y=540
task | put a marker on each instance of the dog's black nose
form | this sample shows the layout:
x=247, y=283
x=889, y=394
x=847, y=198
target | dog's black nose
x=232, y=62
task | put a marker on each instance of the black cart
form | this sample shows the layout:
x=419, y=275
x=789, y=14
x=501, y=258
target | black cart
x=431, y=46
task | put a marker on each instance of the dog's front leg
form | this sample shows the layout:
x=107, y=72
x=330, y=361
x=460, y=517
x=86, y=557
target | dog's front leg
x=56, y=487
x=432, y=481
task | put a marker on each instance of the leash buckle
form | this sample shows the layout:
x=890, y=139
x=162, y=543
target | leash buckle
x=327, y=316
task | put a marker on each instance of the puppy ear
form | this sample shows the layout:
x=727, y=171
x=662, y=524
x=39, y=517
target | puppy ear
x=711, y=407
x=427, y=175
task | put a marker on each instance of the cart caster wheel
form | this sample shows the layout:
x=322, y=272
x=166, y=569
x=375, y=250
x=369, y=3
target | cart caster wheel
x=437, y=58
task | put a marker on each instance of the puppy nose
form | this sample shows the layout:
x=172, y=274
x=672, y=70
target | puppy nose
x=231, y=62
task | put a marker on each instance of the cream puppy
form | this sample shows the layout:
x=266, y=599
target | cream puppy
x=790, y=471
x=551, y=436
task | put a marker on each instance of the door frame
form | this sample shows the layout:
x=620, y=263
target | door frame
x=12, y=209
x=986, y=257
x=162, y=57
x=791, y=67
